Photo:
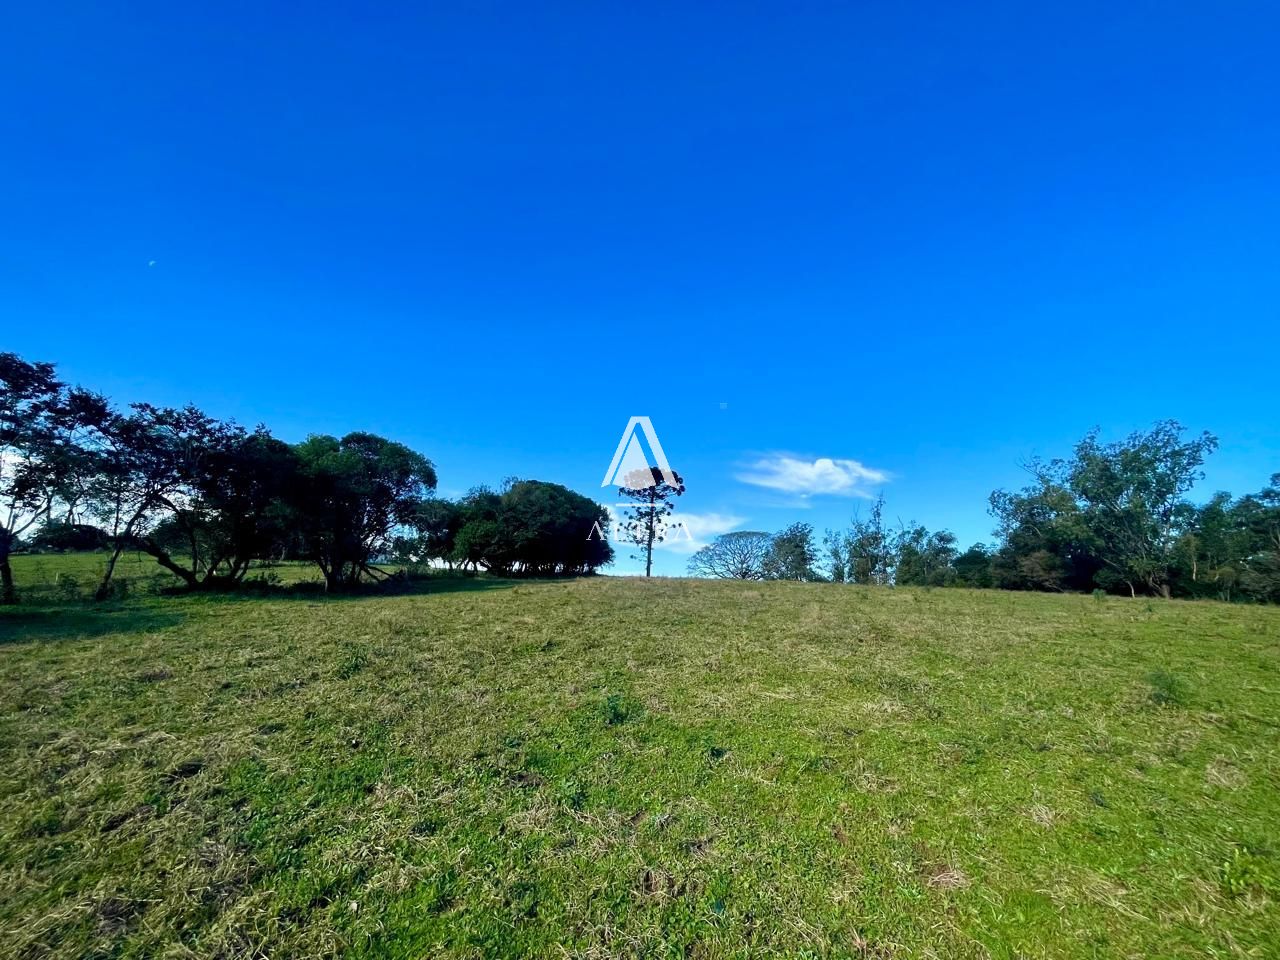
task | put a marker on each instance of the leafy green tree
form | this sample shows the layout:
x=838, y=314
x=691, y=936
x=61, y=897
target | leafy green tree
x=1112, y=514
x=553, y=530
x=864, y=552
x=644, y=523
x=740, y=555
x=533, y=528
x=922, y=558
x=1044, y=543
x=481, y=540
x=1132, y=495
x=1260, y=515
x=973, y=567
x=1232, y=549
x=235, y=509
x=41, y=456
x=792, y=555
x=835, y=547
x=353, y=495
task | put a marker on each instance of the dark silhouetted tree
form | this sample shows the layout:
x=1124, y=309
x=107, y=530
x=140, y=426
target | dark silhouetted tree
x=41, y=456
x=973, y=567
x=353, y=495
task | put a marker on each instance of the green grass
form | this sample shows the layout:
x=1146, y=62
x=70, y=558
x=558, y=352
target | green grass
x=612, y=767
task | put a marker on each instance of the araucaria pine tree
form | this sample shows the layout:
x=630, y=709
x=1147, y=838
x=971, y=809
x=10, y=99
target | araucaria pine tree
x=645, y=522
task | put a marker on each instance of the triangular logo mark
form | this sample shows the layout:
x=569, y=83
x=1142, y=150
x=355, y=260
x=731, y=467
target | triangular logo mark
x=630, y=456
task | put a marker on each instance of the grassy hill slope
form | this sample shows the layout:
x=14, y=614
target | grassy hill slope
x=613, y=767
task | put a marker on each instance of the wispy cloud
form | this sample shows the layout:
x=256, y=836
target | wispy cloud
x=698, y=529
x=803, y=477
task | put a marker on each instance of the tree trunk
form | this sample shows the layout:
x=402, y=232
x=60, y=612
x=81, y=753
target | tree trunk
x=104, y=588
x=8, y=595
x=648, y=561
x=162, y=557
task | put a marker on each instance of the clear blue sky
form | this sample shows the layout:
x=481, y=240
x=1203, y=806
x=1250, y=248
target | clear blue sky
x=928, y=239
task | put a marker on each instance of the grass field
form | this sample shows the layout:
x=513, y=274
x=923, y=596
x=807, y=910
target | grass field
x=609, y=767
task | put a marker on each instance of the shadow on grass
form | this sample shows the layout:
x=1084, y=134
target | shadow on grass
x=313, y=590
x=45, y=621
x=70, y=622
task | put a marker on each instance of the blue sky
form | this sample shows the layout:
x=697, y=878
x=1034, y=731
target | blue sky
x=927, y=240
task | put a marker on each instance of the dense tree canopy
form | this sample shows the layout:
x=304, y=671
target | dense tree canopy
x=354, y=493
x=792, y=555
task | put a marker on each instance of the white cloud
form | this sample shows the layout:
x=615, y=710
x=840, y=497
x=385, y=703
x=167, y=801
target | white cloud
x=824, y=476
x=697, y=529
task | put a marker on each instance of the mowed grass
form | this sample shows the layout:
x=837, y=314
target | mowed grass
x=609, y=767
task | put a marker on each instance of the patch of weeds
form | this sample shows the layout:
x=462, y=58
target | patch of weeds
x=1166, y=689
x=571, y=794
x=1245, y=871
x=353, y=661
x=1099, y=595
x=618, y=709
x=46, y=822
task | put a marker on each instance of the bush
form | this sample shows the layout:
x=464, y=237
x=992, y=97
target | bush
x=1166, y=689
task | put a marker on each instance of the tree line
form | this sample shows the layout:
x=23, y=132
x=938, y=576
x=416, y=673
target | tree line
x=209, y=499
x=1112, y=517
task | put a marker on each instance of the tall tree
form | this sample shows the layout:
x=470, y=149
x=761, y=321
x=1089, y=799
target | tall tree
x=233, y=511
x=434, y=529
x=482, y=540
x=40, y=452
x=1132, y=498
x=924, y=559
x=644, y=522
x=1044, y=544
x=863, y=553
x=792, y=554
